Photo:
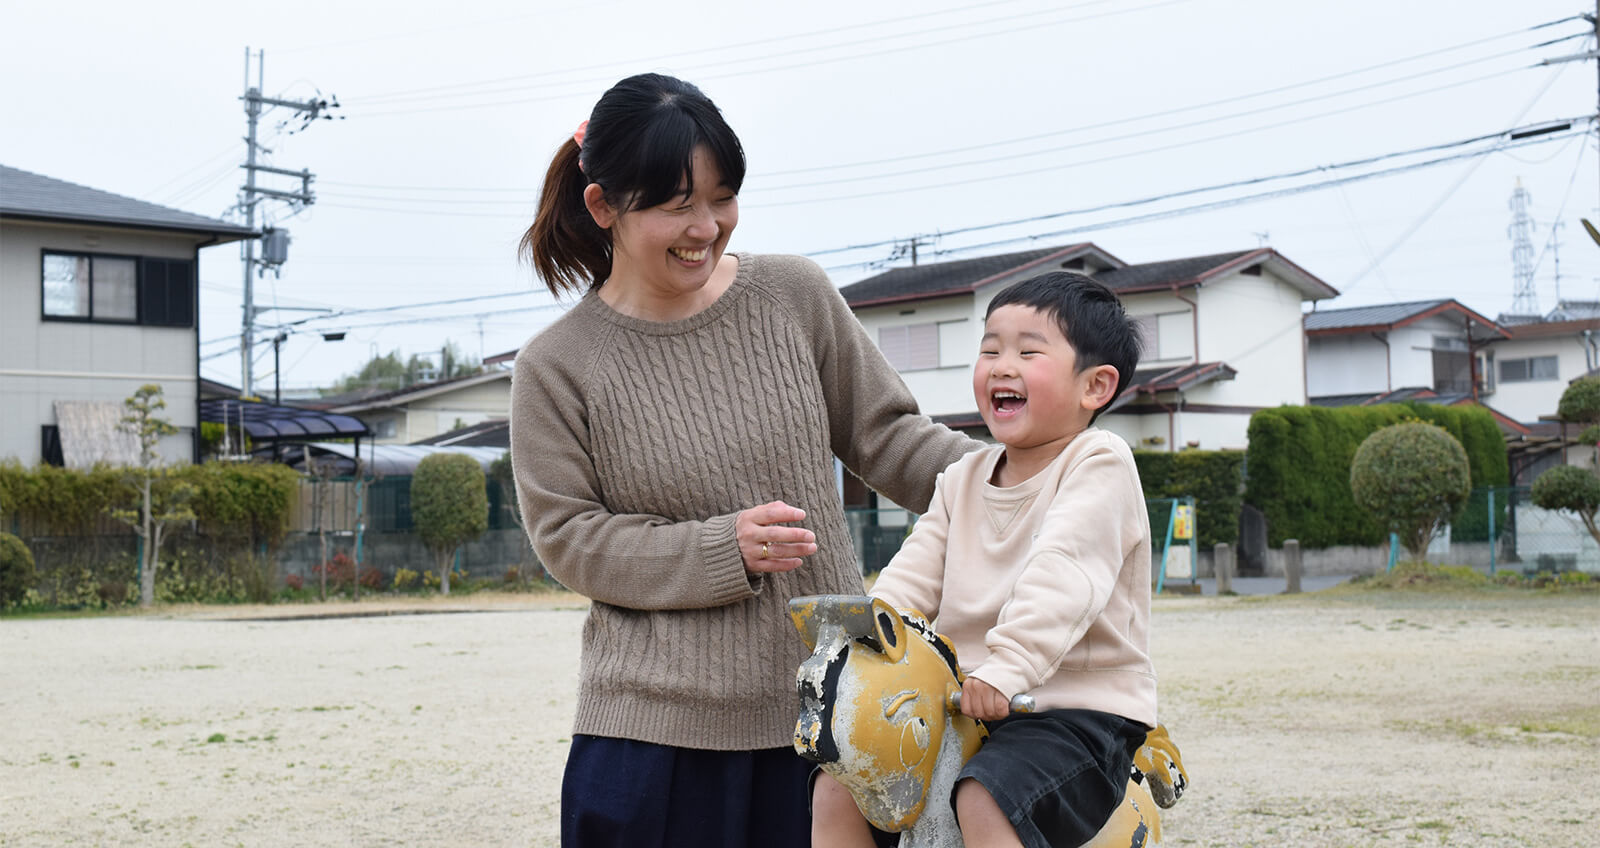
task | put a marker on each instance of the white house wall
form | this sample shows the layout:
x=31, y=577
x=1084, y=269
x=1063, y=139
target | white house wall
x=431, y=416
x=1528, y=401
x=947, y=389
x=1253, y=323
x=1411, y=350
x=1346, y=365
x=1174, y=328
x=42, y=362
x=1361, y=363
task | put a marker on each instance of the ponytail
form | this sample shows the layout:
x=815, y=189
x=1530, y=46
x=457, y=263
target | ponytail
x=568, y=250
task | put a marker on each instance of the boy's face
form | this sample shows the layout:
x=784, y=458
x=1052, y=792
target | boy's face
x=1027, y=383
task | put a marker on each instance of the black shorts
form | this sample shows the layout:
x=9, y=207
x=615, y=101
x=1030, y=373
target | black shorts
x=1059, y=774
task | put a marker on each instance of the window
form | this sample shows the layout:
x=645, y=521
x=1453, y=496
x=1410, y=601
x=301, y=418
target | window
x=912, y=347
x=50, y=445
x=384, y=429
x=1528, y=370
x=118, y=289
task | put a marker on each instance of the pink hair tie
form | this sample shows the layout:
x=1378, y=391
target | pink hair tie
x=577, y=137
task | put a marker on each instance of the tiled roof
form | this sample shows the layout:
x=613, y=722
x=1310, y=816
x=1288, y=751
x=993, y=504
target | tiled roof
x=1383, y=314
x=1186, y=270
x=938, y=278
x=397, y=397
x=493, y=433
x=27, y=195
x=1150, y=381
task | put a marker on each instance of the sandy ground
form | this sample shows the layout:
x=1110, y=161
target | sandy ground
x=1323, y=721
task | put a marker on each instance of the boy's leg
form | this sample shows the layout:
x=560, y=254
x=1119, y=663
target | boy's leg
x=1057, y=775
x=837, y=821
x=983, y=823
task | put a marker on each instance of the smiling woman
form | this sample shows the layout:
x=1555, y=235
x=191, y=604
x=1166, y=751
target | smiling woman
x=675, y=439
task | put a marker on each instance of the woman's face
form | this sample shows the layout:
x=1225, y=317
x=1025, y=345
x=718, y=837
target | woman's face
x=670, y=250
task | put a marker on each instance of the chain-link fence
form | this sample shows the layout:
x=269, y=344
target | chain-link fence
x=1501, y=528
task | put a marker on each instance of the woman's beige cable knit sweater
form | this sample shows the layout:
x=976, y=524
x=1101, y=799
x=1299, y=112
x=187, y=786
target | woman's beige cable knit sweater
x=636, y=444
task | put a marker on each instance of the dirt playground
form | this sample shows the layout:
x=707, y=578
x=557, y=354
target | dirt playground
x=1334, y=719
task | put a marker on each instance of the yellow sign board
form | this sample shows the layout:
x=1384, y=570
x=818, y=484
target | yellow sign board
x=1183, y=522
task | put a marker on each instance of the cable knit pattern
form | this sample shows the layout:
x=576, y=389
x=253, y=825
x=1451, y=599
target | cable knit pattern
x=635, y=446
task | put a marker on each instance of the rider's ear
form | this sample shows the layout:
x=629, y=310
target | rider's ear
x=890, y=630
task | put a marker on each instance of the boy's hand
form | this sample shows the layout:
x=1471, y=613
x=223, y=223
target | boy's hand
x=982, y=701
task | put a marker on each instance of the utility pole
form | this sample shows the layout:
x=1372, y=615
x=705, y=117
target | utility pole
x=275, y=248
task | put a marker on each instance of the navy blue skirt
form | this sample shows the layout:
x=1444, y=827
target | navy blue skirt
x=620, y=792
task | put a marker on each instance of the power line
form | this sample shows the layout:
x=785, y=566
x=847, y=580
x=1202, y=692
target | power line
x=456, y=89
x=875, y=44
x=527, y=191
x=1116, y=156
x=1187, y=125
x=1300, y=172
x=1172, y=111
x=1222, y=204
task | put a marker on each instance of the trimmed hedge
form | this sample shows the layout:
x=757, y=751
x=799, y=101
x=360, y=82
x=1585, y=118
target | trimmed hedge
x=1298, y=469
x=1212, y=478
x=85, y=557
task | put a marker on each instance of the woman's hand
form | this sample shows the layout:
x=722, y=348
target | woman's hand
x=769, y=546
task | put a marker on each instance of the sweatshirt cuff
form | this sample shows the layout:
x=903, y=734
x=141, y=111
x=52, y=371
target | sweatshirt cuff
x=1010, y=681
x=726, y=578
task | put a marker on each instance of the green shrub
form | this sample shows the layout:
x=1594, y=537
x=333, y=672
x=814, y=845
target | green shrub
x=1569, y=488
x=16, y=570
x=1212, y=478
x=449, y=504
x=1581, y=401
x=1298, y=469
x=1411, y=477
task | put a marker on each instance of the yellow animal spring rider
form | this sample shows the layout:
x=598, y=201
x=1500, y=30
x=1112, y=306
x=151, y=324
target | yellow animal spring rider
x=880, y=712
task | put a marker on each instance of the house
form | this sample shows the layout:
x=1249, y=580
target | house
x=1526, y=371
x=1361, y=353
x=98, y=296
x=426, y=410
x=1222, y=335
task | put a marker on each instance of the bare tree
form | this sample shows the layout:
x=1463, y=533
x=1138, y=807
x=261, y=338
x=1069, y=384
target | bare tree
x=163, y=499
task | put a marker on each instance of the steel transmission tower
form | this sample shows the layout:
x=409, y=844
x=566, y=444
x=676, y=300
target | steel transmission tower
x=1524, y=301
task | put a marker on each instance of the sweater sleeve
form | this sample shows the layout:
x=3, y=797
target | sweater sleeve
x=876, y=428
x=1072, y=569
x=914, y=577
x=627, y=560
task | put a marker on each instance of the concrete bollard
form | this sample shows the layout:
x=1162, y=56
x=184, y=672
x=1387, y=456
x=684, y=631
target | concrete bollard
x=1222, y=564
x=1292, y=565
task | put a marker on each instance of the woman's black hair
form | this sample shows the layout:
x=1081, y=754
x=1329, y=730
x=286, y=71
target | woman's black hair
x=1090, y=316
x=639, y=148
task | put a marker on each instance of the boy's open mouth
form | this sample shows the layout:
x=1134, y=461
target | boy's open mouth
x=1007, y=402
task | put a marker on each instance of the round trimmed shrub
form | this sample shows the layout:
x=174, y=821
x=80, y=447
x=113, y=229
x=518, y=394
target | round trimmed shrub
x=1568, y=487
x=16, y=570
x=1581, y=401
x=449, y=504
x=1411, y=476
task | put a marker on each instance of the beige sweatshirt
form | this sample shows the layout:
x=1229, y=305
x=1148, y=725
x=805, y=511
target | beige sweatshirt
x=1044, y=587
x=636, y=444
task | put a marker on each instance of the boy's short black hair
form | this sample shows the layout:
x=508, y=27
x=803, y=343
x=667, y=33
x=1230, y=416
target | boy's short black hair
x=1089, y=315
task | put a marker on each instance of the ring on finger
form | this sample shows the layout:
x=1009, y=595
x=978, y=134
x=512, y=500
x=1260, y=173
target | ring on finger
x=764, y=552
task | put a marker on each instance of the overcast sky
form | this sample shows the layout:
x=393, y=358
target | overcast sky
x=864, y=123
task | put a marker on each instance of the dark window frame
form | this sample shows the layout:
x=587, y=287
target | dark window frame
x=146, y=307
